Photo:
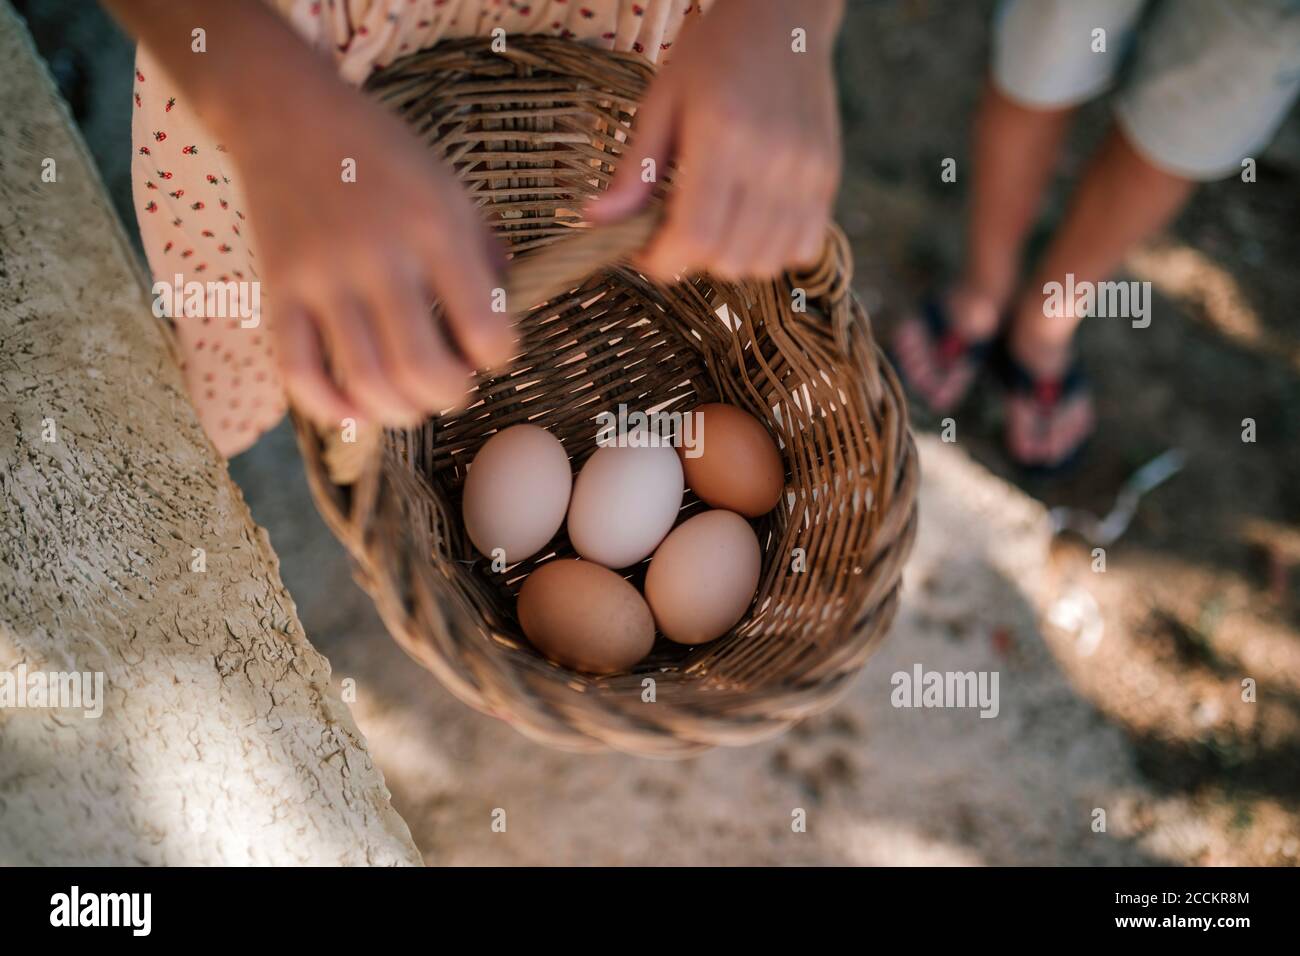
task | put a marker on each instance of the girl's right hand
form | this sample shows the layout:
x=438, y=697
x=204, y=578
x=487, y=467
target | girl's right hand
x=351, y=267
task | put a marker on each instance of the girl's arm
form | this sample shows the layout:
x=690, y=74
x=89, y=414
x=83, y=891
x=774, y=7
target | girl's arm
x=349, y=268
x=746, y=109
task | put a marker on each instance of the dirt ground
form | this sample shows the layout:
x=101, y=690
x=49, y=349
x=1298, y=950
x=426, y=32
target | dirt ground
x=1143, y=717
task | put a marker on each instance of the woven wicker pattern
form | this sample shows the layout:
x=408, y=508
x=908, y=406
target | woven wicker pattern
x=532, y=133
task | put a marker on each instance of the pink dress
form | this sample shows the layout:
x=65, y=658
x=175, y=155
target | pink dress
x=188, y=202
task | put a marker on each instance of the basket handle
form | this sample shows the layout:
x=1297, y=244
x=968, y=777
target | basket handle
x=531, y=280
x=560, y=266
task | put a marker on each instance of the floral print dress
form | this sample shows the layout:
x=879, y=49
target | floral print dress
x=188, y=202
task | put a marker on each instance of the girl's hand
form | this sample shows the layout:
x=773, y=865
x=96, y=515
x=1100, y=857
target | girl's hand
x=351, y=268
x=753, y=128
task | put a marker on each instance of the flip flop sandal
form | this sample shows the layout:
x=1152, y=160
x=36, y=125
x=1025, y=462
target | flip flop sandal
x=1049, y=421
x=935, y=364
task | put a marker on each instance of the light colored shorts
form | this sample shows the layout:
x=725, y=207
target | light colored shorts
x=1203, y=84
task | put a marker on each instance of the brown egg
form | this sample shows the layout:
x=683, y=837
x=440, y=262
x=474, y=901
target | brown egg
x=584, y=616
x=736, y=464
x=703, y=577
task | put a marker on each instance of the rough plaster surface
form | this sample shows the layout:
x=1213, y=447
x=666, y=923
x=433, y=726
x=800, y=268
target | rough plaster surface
x=221, y=740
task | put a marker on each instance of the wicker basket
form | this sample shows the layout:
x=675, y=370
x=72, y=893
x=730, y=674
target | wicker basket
x=532, y=133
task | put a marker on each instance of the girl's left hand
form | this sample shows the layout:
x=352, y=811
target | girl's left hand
x=753, y=128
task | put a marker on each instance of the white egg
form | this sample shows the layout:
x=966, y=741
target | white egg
x=624, y=502
x=516, y=492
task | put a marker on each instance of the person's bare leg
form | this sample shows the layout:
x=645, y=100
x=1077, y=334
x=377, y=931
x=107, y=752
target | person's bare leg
x=1121, y=200
x=1015, y=151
